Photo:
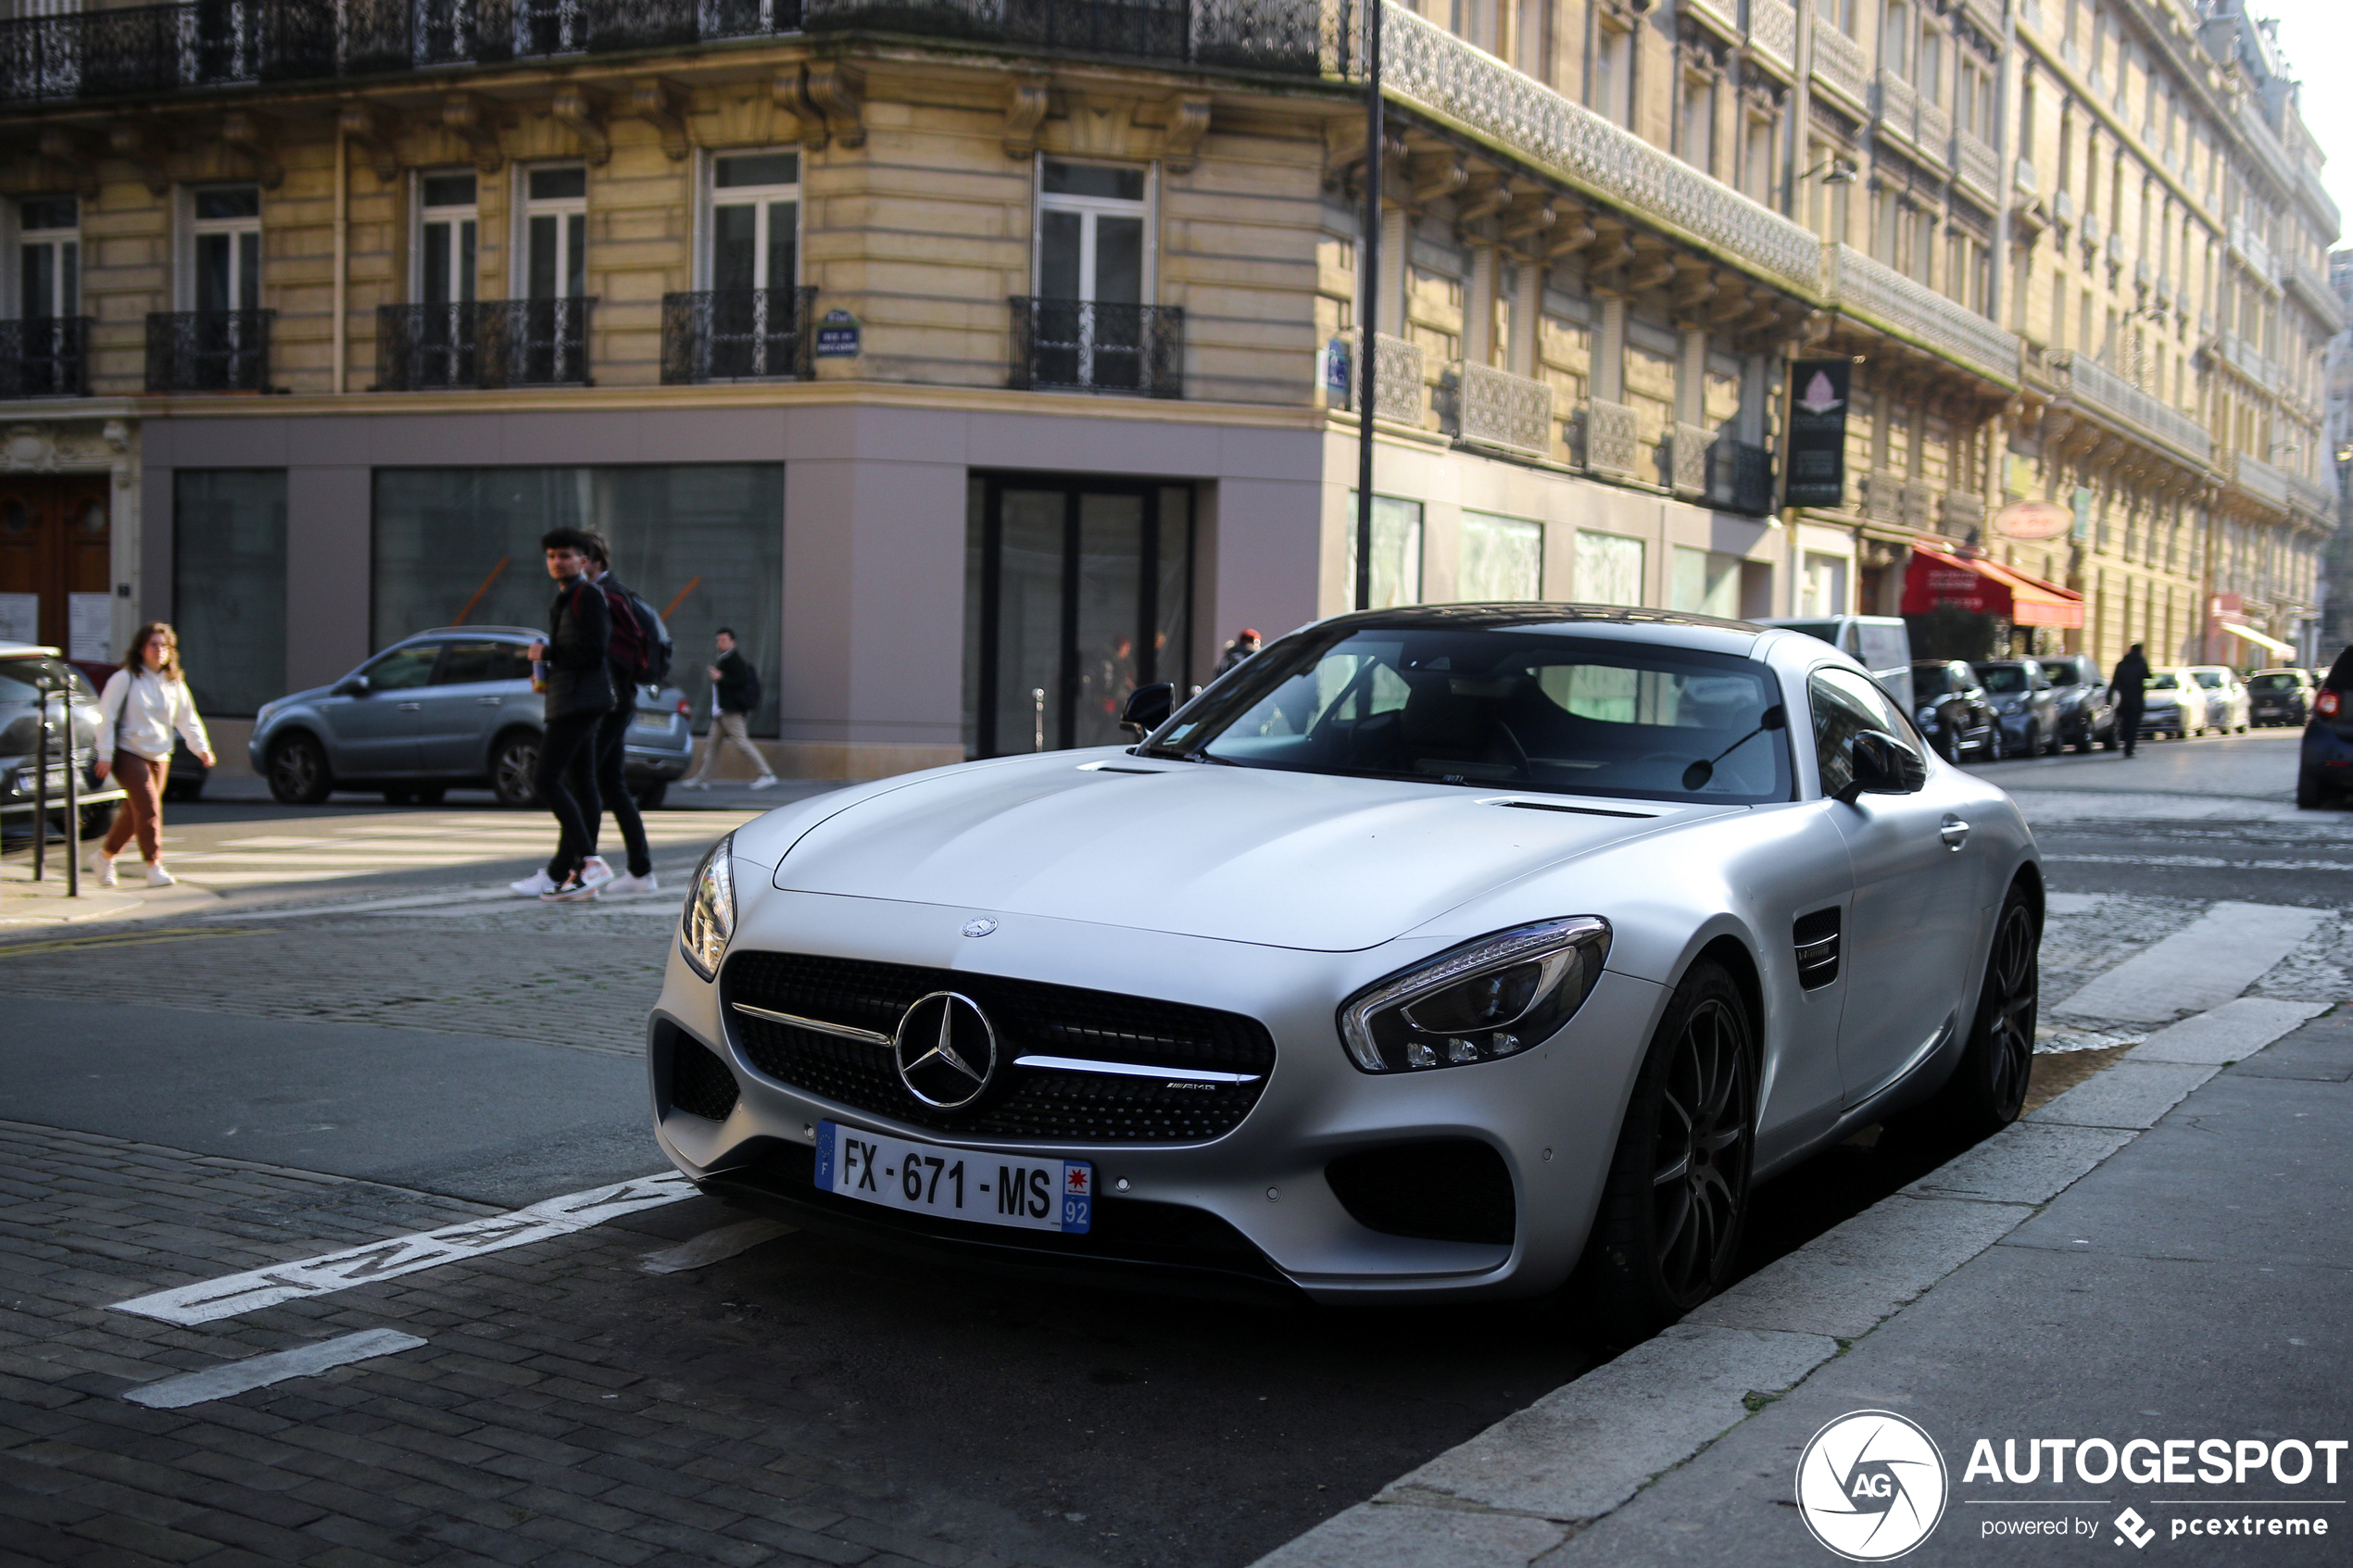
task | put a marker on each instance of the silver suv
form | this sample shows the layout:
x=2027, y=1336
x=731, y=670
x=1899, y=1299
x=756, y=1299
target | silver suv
x=445, y=708
x=25, y=671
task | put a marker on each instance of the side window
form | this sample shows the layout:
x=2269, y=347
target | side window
x=1844, y=705
x=474, y=663
x=403, y=668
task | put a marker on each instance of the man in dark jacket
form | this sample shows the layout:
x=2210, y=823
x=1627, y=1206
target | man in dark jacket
x=734, y=691
x=578, y=659
x=610, y=756
x=2130, y=685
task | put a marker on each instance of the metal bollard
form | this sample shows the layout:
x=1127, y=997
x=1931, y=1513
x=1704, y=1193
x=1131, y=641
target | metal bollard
x=73, y=794
x=41, y=783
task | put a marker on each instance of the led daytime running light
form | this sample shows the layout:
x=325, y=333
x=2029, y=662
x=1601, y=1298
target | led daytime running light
x=1568, y=952
x=709, y=921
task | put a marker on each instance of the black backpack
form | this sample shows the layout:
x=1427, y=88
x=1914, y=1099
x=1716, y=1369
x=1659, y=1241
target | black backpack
x=641, y=642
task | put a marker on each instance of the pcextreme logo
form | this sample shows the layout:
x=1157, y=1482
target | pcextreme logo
x=1870, y=1485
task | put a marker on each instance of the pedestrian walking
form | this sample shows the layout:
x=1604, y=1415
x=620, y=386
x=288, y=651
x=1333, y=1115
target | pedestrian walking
x=575, y=668
x=636, y=632
x=1244, y=644
x=2129, y=687
x=144, y=703
x=735, y=693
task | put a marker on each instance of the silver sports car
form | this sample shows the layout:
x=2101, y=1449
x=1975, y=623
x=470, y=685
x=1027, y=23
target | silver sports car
x=1432, y=953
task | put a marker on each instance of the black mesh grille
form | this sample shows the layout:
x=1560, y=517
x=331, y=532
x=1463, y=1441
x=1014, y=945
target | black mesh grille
x=1031, y=1019
x=699, y=1083
x=1450, y=1189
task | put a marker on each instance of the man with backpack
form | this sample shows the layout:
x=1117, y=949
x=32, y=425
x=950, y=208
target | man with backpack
x=734, y=690
x=641, y=657
x=574, y=667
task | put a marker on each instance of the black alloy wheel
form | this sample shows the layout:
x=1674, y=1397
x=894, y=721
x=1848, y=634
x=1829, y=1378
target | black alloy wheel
x=1988, y=1087
x=1669, y=1225
x=511, y=766
x=299, y=773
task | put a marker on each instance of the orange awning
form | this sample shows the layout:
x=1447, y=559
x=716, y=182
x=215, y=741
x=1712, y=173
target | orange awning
x=1937, y=580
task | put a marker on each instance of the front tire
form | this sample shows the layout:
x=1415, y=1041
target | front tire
x=298, y=772
x=2309, y=796
x=511, y=766
x=1988, y=1088
x=1669, y=1229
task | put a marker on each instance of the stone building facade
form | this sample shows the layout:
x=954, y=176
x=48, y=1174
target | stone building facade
x=979, y=359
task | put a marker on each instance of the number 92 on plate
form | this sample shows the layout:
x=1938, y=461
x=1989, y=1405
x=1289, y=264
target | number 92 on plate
x=987, y=1187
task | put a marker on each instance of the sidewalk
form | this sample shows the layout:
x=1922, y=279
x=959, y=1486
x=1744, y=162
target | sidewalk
x=24, y=902
x=2162, y=1253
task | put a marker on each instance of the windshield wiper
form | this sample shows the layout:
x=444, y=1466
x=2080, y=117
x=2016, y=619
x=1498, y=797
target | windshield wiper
x=1695, y=777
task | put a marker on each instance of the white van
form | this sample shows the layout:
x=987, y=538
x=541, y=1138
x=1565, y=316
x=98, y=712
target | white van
x=1882, y=643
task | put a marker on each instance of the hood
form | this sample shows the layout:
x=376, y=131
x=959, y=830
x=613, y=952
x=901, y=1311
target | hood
x=1236, y=854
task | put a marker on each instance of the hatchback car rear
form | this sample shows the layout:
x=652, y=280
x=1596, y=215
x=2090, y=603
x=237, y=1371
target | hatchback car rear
x=2280, y=696
x=2324, y=770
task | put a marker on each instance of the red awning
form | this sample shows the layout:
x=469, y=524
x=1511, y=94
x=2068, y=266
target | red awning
x=1936, y=581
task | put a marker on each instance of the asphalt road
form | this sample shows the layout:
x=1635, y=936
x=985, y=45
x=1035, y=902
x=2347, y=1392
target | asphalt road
x=1138, y=1431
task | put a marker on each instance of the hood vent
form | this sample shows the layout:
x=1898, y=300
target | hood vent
x=1573, y=810
x=1815, y=936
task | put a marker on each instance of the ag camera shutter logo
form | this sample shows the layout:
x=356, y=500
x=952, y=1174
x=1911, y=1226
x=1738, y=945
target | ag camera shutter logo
x=1872, y=1485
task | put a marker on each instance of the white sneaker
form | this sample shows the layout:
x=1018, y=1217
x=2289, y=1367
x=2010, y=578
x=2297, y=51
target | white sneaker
x=694, y=784
x=539, y=884
x=594, y=872
x=765, y=781
x=646, y=884
x=102, y=866
x=573, y=892
x=158, y=876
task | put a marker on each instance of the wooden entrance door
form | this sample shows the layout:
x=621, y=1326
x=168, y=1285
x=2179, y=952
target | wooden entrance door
x=54, y=543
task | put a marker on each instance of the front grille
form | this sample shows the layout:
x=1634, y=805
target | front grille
x=1031, y=1018
x=699, y=1083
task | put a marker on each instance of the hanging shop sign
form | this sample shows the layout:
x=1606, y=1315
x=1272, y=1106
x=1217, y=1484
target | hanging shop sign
x=1818, y=395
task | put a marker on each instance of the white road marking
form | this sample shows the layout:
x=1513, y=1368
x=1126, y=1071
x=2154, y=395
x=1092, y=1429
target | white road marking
x=259, y=1372
x=212, y=1299
x=2202, y=965
x=2203, y=863
x=713, y=1247
x=416, y=900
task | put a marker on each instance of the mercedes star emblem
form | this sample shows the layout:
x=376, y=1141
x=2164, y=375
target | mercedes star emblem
x=980, y=927
x=947, y=1052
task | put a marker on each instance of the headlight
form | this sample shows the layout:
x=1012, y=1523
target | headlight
x=710, y=919
x=1489, y=998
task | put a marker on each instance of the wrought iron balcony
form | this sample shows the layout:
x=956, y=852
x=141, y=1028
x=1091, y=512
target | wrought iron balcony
x=208, y=350
x=1884, y=298
x=482, y=343
x=2103, y=391
x=1399, y=372
x=45, y=358
x=738, y=334
x=1496, y=408
x=1090, y=346
x=1751, y=479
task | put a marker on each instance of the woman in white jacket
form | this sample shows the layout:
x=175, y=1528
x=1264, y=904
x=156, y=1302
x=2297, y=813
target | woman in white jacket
x=144, y=702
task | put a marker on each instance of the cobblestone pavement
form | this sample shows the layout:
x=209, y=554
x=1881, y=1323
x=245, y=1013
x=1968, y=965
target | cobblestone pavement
x=537, y=1425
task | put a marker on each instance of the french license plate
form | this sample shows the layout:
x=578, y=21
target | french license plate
x=651, y=722
x=959, y=1183
x=26, y=780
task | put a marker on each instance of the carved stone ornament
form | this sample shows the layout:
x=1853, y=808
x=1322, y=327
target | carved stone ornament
x=141, y=146
x=835, y=91
x=69, y=148
x=663, y=105
x=371, y=129
x=1027, y=100
x=475, y=122
x=251, y=135
x=582, y=111
x=1187, y=122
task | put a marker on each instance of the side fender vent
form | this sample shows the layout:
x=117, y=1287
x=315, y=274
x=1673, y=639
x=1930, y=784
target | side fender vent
x=1815, y=936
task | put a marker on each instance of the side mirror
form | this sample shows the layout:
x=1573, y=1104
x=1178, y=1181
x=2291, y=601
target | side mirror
x=1879, y=764
x=1149, y=708
x=352, y=685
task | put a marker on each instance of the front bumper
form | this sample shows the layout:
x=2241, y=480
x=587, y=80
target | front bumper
x=1248, y=1212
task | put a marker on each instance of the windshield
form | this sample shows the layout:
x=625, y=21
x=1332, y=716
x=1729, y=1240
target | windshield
x=2001, y=678
x=2280, y=681
x=2210, y=679
x=1530, y=710
x=23, y=679
x=2165, y=681
x=1930, y=679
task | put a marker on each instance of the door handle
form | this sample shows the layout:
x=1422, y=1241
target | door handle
x=1955, y=833
x=412, y=706
x=487, y=701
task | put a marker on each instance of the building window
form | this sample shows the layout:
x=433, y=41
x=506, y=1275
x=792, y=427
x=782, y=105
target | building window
x=1092, y=239
x=1609, y=569
x=1503, y=560
x=1397, y=552
x=226, y=229
x=1822, y=590
x=555, y=232
x=755, y=220
x=448, y=228
x=48, y=257
x=228, y=585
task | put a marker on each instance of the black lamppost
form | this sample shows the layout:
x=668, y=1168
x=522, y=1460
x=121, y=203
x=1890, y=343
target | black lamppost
x=1367, y=312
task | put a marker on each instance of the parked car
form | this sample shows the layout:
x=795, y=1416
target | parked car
x=2226, y=697
x=2026, y=704
x=2086, y=708
x=1953, y=710
x=2280, y=696
x=447, y=709
x=2325, y=767
x=1882, y=643
x=26, y=670
x=2170, y=700
x=1504, y=937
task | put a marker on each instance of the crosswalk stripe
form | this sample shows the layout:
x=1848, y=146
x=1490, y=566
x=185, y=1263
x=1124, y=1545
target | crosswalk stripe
x=411, y=845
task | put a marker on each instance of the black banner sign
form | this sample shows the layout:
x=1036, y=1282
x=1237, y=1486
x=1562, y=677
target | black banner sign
x=1817, y=474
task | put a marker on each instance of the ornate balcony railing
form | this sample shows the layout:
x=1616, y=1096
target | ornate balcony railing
x=2312, y=291
x=738, y=334
x=1772, y=31
x=1841, y=65
x=2262, y=481
x=1090, y=346
x=1427, y=67
x=1688, y=449
x=2254, y=250
x=1613, y=441
x=482, y=343
x=2102, y=390
x=1978, y=169
x=2242, y=355
x=45, y=358
x=1960, y=515
x=1895, y=108
x=1894, y=303
x=1936, y=133
x=208, y=350
x=1399, y=372
x=1496, y=408
x=1751, y=479
x=2313, y=497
